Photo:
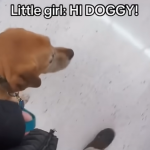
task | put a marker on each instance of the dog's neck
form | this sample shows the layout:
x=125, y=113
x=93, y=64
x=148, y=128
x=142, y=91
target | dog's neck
x=3, y=93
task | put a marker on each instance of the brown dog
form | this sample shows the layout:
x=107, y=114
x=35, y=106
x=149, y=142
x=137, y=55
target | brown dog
x=25, y=55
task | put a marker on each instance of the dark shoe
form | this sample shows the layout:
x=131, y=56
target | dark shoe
x=103, y=139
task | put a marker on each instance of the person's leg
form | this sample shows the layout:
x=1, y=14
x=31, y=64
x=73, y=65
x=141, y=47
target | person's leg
x=102, y=140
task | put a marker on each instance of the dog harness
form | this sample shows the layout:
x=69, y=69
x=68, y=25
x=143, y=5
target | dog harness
x=30, y=125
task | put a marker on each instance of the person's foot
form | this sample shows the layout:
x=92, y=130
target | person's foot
x=102, y=140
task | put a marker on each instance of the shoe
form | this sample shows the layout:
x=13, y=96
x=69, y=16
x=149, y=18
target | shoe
x=102, y=140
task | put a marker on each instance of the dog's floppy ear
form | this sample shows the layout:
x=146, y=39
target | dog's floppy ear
x=21, y=81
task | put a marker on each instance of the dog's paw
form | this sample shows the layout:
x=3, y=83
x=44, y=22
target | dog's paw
x=25, y=97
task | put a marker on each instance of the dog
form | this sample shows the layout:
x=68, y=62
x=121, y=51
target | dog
x=24, y=56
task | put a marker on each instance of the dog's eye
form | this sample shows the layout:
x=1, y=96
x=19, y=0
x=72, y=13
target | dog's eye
x=52, y=59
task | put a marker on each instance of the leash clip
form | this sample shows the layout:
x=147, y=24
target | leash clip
x=16, y=94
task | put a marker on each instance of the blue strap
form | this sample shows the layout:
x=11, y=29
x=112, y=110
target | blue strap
x=31, y=124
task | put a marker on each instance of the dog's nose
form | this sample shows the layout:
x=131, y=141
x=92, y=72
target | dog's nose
x=70, y=54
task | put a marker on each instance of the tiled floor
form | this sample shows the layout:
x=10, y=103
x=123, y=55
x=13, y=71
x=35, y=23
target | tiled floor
x=106, y=85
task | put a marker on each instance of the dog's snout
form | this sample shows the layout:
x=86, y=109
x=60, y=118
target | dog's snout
x=70, y=53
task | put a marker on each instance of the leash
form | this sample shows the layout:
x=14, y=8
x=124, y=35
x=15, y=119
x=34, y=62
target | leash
x=30, y=125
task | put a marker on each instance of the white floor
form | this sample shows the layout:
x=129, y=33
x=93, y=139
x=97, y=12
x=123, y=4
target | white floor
x=106, y=85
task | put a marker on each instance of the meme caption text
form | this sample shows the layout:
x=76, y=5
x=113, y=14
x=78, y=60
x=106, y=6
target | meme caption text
x=74, y=10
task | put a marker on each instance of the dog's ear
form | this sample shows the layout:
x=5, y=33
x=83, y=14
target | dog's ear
x=21, y=81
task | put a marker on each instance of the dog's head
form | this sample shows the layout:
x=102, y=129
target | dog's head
x=59, y=59
x=26, y=55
